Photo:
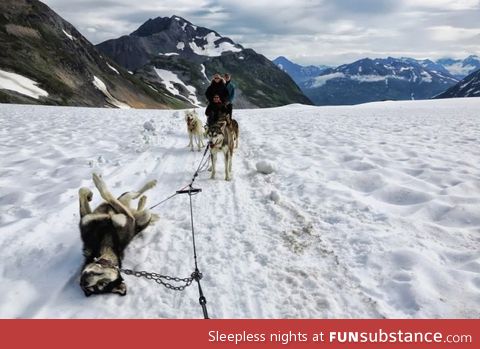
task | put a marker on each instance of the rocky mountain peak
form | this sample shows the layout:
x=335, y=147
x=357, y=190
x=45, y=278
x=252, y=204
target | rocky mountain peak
x=161, y=24
x=178, y=55
x=167, y=36
x=472, y=60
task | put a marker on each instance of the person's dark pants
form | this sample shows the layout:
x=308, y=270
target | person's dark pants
x=229, y=107
x=211, y=119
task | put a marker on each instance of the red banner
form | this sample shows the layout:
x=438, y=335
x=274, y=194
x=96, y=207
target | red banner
x=328, y=334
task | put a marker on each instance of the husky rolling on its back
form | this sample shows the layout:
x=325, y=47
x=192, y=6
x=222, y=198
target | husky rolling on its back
x=106, y=232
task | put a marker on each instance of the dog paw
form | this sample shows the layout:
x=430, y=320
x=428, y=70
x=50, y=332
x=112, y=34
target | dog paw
x=85, y=192
x=102, y=187
x=141, y=203
x=97, y=179
x=151, y=184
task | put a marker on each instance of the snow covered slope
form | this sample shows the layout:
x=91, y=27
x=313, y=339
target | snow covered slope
x=371, y=211
x=468, y=87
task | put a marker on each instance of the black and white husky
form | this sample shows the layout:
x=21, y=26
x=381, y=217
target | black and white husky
x=106, y=232
x=221, y=140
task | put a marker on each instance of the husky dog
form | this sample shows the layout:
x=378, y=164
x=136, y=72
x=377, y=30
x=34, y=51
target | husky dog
x=195, y=129
x=106, y=232
x=221, y=140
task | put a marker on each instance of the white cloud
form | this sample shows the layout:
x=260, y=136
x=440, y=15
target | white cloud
x=449, y=33
x=444, y=5
x=315, y=32
x=322, y=80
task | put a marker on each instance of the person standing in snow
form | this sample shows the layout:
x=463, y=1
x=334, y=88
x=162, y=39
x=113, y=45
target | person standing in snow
x=231, y=92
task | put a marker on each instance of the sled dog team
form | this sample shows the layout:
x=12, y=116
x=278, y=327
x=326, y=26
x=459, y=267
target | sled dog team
x=222, y=138
x=110, y=227
x=221, y=129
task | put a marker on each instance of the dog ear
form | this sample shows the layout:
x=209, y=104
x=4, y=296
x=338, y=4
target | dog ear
x=120, y=289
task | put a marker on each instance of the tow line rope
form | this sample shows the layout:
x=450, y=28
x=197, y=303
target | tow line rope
x=196, y=275
x=201, y=167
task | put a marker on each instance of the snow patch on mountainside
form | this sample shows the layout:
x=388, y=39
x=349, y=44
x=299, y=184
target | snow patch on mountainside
x=169, y=80
x=113, y=68
x=21, y=84
x=169, y=54
x=100, y=85
x=211, y=49
x=68, y=35
x=203, y=70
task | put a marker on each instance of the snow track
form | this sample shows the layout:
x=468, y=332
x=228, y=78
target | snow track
x=370, y=212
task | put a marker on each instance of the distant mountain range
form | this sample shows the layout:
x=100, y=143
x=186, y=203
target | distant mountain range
x=168, y=63
x=45, y=60
x=298, y=72
x=460, y=68
x=173, y=53
x=368, y=80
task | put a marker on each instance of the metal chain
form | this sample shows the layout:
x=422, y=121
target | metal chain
x=158, y=279
x=196, y=275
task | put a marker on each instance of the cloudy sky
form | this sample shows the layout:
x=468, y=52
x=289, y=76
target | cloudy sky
x=306, y=31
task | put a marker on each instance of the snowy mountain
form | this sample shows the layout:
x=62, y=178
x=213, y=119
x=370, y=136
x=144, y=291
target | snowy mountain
x=468, y=87
x=45, y=60
x=298, y=72
x=370, y=80
x=167, y=36
x=461, y=68
x=369, y=211
x=429, y=65
x=171, y=51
